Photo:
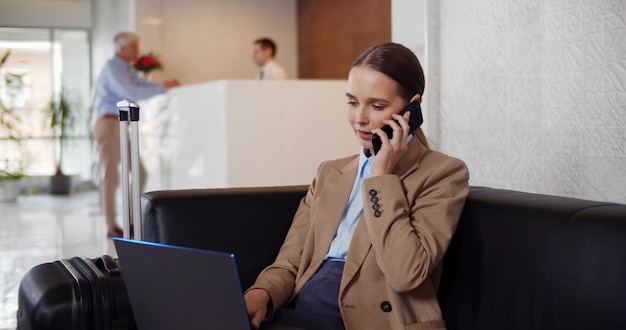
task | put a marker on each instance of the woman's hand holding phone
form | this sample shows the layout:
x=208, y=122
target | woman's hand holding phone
x=392, y=149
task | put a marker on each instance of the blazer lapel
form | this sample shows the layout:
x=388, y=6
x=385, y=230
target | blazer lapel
x=359, y=248
x=332, y=203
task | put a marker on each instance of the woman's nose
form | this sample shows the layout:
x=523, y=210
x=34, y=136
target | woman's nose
x=360, y=117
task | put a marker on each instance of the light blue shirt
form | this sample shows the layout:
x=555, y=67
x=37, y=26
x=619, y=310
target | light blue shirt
x=119, y=81
x=338, y=250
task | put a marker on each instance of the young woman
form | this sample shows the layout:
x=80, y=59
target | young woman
x=365, y=247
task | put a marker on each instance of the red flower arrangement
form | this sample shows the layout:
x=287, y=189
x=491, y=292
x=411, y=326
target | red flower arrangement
x=147, y=63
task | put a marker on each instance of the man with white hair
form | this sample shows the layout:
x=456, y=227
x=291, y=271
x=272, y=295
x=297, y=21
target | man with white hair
x=118, y=80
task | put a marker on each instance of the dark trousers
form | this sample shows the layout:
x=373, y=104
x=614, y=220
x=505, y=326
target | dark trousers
x=316, y=306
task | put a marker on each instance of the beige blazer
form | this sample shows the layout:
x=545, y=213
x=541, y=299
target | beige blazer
x=393, y=267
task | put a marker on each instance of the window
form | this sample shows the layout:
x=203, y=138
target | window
x=42, y=62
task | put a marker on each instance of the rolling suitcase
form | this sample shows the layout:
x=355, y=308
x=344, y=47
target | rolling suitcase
x=75, y=293
x=84, y=293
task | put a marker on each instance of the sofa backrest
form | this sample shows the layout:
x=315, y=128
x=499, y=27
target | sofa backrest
x=249, y=222
x=529, y=261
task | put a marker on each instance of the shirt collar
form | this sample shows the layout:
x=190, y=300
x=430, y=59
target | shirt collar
x=364, y=161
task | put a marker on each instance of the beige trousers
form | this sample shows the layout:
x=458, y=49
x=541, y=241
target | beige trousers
x=106, y=131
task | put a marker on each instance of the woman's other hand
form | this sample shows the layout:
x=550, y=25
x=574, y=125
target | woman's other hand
x=256, y=304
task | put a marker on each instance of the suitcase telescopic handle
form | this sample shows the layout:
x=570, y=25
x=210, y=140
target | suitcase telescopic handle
x=129, y=111
x=134, y=162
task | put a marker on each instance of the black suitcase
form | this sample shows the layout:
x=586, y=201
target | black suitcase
x=82, y=293
x=76, y=293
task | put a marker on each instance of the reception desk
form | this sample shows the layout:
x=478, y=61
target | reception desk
x=241, y=133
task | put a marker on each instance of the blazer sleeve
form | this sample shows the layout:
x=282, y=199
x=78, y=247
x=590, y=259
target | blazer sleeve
x=278, y=279
x=410, y=237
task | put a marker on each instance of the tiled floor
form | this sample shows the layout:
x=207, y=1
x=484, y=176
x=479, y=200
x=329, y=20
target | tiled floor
x=43, y=228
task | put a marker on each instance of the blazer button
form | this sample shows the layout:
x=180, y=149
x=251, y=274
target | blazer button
x=385, y=306
x=377, y=214
x=374, y=199
x=373, y=192
x=376, y=206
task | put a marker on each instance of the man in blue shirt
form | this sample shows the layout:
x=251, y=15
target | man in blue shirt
x=118, y=81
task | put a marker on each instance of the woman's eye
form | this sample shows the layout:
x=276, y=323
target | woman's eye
x=377, y=107
x=352, y=103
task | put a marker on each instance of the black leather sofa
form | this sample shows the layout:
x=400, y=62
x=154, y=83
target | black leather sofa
x=517, y=260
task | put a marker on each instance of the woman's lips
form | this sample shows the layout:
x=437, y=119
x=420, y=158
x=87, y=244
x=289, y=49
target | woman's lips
x=364, y=135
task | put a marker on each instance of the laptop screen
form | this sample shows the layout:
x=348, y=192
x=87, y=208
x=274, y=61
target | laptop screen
x=173, y=287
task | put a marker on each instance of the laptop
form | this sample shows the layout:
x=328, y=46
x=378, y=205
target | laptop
x=172, y=287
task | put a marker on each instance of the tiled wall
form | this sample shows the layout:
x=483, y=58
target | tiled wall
x=532, y=94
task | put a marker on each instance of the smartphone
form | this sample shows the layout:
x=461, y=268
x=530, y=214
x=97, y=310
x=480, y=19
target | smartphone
x=415, y=121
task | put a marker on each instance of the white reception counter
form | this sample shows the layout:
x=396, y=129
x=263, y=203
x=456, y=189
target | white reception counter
x=244, y=133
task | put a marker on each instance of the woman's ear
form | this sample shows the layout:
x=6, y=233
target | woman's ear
x=416, y=97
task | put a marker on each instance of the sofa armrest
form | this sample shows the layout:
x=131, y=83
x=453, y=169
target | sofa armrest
x=530, y=261
x=248, y=222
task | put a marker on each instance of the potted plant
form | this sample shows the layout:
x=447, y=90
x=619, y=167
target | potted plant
x=61, y=122
x=11, y=173
x=12, y=162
